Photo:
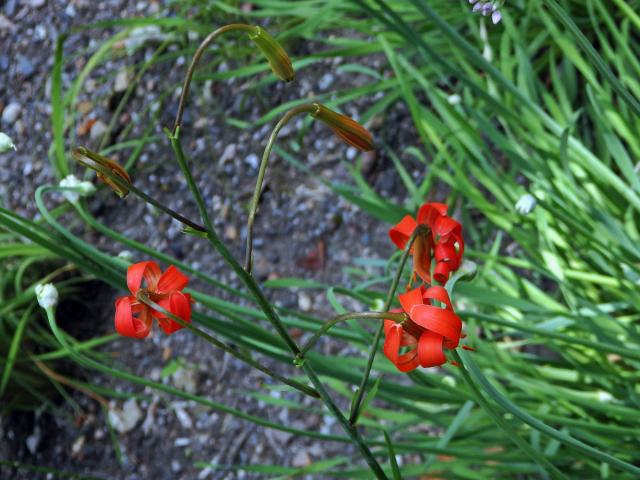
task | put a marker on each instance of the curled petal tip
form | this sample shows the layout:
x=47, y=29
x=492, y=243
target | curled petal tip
x=276, y=55
x=346, y=128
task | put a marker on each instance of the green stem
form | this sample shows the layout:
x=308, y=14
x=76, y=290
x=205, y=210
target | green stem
x=228, y=349
x=355, y=409
x=504, y=426
x=194, y=62
x=306, y=108
x=263, y=303
x=397, y=317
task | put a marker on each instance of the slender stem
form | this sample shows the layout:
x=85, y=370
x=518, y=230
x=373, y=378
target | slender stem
x=227, y=348
x=355, y=409
x=266, y=306
x=194, y=62
x=346, y=425
x=306, y=108
x=150, y=200
x=397, y=317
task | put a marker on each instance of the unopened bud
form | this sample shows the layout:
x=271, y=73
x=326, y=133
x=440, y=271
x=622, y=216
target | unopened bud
x=526, y=204
x=99, y=163
x=6, y=143
x=278, y=59
x=47, y=295
x=80, y=188
x=345, y=127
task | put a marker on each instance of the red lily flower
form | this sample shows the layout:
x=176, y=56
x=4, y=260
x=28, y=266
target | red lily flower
x=447, y=244
x=134, y=318
x=428, y=331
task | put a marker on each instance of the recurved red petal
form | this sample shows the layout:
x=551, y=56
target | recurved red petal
x=400, y=233
x=445, y=225
x=172, y=279
x=392, y=343
x=128, y=325
x=438, y=320
x=422, y=257
x=179, y=304
x=430, y=352
x=411, y=298
x=441, y=272
x=150, y=271
x=430, y=212
x=438, y=294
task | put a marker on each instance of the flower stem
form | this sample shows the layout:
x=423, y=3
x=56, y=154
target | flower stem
x=227, y=348
x=397, y=317
x=355, y=409
x=194, y=63
x=306, y=108
x=266, y=306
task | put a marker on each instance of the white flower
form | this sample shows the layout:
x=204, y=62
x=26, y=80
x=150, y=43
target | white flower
x=454, y=99
x=47, y=295
x=604, y=397
x=82, y=188
x=126, y=255
x=526, y=203
x=6, y=143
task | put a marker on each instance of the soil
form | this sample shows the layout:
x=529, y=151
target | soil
x=299, y=216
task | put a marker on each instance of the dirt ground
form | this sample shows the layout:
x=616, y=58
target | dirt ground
x=298, y=214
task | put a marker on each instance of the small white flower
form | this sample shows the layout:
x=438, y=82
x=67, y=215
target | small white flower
x=82, y=188
x=526, y=204
x=47, y=295
x=126, y=255
x=604, y=397
x=454, y=99
x=6, y=143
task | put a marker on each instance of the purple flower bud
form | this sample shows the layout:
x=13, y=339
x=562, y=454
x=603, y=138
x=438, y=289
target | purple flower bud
x=477, y=7
x=487, y=8
x=496, y=17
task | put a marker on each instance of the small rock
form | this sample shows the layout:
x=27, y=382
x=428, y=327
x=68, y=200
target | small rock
x=121, y=82
x=126, y=419
x=77, y=446
x=35, y=3
x=97, y=130
x=182, y=442
x=301, y=459
x=231, y=232
x=175, y=466
x=228, y=154
x=304, y=302
x=33, y=441
x=186, y=378
x=11, y=112
x=184, y=418
x=6, y=24
x=253, y=161
x=70, y=11
x=326, y=81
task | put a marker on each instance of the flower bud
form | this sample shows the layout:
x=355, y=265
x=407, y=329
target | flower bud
x=526, y=204
x=345, y=127
x=6, y=143
x=98, y=163
x=278, y=59
x=81, y=188
x=47, y=295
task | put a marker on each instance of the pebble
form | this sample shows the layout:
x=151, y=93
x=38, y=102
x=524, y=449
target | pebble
x=301, y=459
x=325, y=81
x=97, y=130
x=253, y=161
x=33, y=441
x=25, y=67
x=121, y=82
x=35, y=3
x=304, y=302
x=126, y=419
x=11, y=112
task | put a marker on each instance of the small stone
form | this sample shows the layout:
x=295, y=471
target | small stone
x=231, y=232
x=301, y=459
x=228, y=154
x=182, y=442
x=325, y=81
x=184, y=418
x=11, y=113
x=35, y=3
x=70, y=11
x=121, y=82
x=304, y=302
x=77, y=446
x=97, y=130
x=253, y=161
x=6, y=24
x=126, y=419
x=33, y=441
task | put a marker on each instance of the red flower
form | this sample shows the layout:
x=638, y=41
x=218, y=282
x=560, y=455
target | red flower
x=428, y=331
x=447, y=244
x=134, y=318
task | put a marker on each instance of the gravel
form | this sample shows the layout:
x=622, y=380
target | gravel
x=299, y=221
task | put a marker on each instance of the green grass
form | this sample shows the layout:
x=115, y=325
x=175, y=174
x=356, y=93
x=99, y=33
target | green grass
x=549, y=105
